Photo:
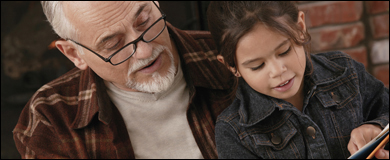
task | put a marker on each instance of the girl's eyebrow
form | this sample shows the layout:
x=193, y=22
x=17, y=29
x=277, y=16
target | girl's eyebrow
x=255, y=59
x=281, y=44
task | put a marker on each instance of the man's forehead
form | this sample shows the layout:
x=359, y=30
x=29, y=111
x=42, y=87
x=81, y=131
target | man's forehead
x=90, y=6
x=107, y=18
x=101, y=14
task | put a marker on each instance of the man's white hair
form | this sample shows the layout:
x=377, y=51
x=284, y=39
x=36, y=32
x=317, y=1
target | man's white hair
x=61, y=25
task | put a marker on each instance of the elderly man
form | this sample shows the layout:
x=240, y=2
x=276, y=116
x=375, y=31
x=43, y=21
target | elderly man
x=142, y=88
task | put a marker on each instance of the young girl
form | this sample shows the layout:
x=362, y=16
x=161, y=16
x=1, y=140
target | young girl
x=290, y=103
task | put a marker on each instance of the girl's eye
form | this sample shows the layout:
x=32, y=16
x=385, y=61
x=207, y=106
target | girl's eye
x=258, y=67
x=284, y=53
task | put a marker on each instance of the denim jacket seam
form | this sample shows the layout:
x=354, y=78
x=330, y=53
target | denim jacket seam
x=288, y=137
x=354, y=113
x=338, y=54
x=294, y=149
x=236, y=128
x=338, y=132
x=269, y=153
x=335, y=65
x=378, y=121
x=261, y=117
x=278, y=104
x=350, y=98
x=330, y=86
x=227, y=118
x=283, y=120
x=326, y=124
x=341, y=136
x=232, y=116
x=248, y=146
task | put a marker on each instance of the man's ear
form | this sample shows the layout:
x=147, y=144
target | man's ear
x=72, y=53
x=232, y=69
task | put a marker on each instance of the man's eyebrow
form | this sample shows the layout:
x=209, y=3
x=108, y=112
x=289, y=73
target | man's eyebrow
x=140, y=9
x=110, y=36
x=276, y=48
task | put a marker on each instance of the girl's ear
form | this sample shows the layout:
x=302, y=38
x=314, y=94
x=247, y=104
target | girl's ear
x=220, y=59
x=72, y=53
x=232, y=69
x=301, y=21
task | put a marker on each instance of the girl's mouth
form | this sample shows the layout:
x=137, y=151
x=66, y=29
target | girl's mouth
x=285, y=86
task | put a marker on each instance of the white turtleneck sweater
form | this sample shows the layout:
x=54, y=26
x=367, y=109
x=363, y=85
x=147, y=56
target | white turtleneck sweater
x=157, y=123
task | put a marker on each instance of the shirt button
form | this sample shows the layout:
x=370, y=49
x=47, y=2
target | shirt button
x=276, y=139
x=311, y=132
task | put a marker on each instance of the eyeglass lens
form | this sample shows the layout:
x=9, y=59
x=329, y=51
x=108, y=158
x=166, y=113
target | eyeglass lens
x=149, y=35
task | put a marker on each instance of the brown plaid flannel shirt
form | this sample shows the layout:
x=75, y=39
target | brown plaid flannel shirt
x=73, y=117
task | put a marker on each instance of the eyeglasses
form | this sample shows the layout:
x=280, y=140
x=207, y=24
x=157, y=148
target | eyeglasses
x=123, y=54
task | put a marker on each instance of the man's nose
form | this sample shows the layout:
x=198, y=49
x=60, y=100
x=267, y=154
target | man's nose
x=144, y=50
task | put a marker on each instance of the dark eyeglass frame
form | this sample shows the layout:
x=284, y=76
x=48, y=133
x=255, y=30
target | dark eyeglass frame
x=141, y=37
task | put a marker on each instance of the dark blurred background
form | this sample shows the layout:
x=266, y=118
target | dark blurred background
x=28, y=60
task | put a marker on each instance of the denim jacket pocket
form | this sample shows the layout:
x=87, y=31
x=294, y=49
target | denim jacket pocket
x=338, y=94
x=272, y=143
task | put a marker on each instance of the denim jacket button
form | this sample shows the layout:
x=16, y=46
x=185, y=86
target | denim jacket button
x=311, y=131
x=276, y=139
x=335, y=97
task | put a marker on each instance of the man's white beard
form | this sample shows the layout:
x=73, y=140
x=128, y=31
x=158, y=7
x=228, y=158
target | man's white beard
x=157, y=83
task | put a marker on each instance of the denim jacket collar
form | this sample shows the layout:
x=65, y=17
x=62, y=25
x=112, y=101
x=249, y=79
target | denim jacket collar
x=325, y=72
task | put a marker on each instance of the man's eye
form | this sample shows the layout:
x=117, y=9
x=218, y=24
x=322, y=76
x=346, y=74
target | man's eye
x=144, y=23
x=112, y=46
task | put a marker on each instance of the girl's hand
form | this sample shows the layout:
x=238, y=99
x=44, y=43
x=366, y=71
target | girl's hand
x=382, y=154
x=364, y=134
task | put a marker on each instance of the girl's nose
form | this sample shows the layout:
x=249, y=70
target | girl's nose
x=277, y=68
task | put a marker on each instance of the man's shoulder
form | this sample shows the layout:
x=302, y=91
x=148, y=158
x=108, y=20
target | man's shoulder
x=203, y=40
x=199, y=54
x=58, y=97
x=190, y=41
x=63, y=91
x=68, y=81
x=197, y=34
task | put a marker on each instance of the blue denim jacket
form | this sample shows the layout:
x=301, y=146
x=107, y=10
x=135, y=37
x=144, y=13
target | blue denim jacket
x=341, y=96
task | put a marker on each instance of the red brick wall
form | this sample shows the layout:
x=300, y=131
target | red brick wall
x=358, y=28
